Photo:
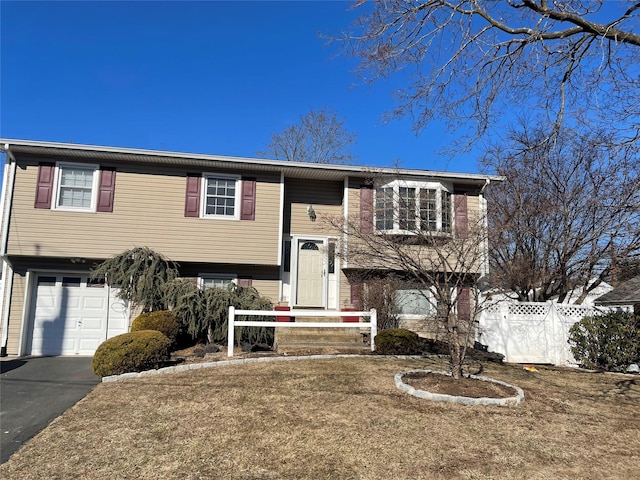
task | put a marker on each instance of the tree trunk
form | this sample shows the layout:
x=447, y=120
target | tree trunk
x=454, y=349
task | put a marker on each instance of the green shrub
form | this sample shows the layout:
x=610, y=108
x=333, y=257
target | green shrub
x=205, y=313
x=131, y=352
x=398, y=341
x=606, y=342
x=163, y=321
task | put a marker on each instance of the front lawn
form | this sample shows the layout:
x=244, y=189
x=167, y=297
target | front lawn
x=340, y=419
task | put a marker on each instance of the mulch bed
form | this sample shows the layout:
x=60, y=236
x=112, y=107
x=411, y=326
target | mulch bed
x=464, y=387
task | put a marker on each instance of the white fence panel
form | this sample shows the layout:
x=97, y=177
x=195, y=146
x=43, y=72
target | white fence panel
x=529, y=332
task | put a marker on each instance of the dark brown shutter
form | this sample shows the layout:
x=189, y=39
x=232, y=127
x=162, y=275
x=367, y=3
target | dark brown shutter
x=356, y=295
x=248, y=202
x=192, y=197
x=461, y=217
x=245, y=282
x=44, y=186
x=106, y=190
x=464, y=304
x=366, y=208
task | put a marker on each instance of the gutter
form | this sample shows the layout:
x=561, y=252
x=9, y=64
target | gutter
x=7, y=269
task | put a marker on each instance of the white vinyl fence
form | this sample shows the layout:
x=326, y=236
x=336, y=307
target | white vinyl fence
x=372, y=324
x=528, y=332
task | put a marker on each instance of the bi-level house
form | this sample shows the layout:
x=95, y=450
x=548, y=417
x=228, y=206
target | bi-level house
x=257, y=222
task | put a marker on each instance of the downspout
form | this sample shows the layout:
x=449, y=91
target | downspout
x=8, y=182
x=487, y=181
x=281, y=238
x=485, y=221
x=345, y=231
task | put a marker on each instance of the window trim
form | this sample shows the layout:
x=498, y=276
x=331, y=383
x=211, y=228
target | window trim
x=432, y=302
x=217, y=276
x=57, y=184
x=203, y=196
x=396, y=185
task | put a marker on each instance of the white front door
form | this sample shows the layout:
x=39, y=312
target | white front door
x=310, y=278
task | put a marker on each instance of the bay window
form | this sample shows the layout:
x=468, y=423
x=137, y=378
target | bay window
x=413, y=207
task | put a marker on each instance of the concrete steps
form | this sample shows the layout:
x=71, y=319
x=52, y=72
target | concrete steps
x=319, y=340
x=321, y=348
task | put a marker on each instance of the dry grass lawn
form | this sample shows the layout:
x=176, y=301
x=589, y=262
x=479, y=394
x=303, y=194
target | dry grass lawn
x=338, y=419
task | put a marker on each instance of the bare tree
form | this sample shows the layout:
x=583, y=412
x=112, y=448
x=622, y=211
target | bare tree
x=319, y=137
x=567, y=211
x=413, y=241
x=471, y=61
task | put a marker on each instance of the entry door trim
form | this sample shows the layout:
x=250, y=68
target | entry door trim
x=296, y=241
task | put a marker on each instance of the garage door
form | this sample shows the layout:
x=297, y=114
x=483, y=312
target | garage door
x=71, y=315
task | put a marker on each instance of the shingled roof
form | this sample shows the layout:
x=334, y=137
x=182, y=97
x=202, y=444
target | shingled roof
x=627, y=293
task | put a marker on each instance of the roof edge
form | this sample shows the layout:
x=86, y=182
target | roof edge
x=353, y=170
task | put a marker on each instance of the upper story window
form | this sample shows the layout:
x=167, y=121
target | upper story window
x=412, y=207
x=221, y=196
x=76, y=186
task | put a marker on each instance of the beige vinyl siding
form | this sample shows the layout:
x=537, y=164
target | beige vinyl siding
x=148, y=211
x=15, y=314
x=326, y=199
x=345, y=291
x=268, y=288
x=473, y=210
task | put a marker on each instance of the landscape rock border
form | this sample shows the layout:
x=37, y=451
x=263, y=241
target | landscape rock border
x=238, y=361
x=440, y=397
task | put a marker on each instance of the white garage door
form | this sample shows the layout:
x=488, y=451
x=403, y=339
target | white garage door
x=71, y=315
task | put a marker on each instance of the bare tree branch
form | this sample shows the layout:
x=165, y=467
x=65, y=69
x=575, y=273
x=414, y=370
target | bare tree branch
x=568, y=209
x=415, y=243
x=474, y=60
x=319, y=137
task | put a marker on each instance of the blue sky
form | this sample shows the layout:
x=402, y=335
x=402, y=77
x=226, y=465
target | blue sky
x=203, y=77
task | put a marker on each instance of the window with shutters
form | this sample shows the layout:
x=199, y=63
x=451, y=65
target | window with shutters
x=76, y=186
x=403, y=207
x=221, y=197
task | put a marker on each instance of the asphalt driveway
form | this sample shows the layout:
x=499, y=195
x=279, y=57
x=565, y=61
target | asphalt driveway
x=34, y=391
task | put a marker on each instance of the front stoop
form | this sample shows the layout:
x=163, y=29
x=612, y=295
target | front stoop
x=320, y=340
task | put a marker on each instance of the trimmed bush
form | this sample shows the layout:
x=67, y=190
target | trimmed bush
x=606, y=342
x=131, y=352
x=163, y=321
x=398, y=341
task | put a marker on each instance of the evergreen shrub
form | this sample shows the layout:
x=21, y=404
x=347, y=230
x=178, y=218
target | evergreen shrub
x=163, y=321
x=398, y=341
x=131, y=352
x=606, y=342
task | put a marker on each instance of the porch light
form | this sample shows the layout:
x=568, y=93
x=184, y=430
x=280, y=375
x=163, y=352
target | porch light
x=312, y=213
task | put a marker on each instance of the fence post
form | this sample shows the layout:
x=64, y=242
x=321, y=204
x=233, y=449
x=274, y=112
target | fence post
x=504, y=331
x=231, y=330
x=374, y=327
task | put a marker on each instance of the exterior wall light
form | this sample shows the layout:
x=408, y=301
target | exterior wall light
x=312, y=213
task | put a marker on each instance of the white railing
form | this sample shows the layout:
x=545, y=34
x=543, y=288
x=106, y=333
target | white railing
x=372, y=324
